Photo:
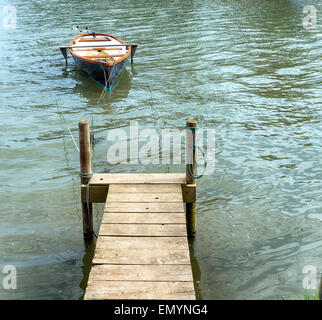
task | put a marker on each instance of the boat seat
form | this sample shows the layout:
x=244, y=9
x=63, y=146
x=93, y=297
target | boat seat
x=96, y=49
x=93, y=39
x=105, y=56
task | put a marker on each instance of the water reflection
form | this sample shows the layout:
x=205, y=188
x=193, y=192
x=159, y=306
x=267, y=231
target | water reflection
x=91, y=90
x=196, y=272
x=87, y=262
x=244, y=68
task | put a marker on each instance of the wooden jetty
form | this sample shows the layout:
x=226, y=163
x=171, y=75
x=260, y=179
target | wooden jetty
x=142, y=249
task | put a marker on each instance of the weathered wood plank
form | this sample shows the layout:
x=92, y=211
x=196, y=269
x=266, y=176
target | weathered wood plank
x=143, y=187
x=140, y=290
x=144, y=217
x=98, y=193
x=143, y=207
x=142, y=250
x=129, y=178
x=189, y=192
x=144, y=197
x=95, y=193
x=140, y=256
x=138, y=230
x=141, y=272
x=147, y=243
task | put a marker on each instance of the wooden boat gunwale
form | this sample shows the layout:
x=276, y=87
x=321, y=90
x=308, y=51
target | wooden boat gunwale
x=91, y=60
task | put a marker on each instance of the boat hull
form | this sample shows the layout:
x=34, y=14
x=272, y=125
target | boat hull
x=97, y=70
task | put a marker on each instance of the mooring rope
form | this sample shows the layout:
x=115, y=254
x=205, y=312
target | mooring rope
x=106, y=82
x=73, y=139
x=191, y=173
x=62, y=117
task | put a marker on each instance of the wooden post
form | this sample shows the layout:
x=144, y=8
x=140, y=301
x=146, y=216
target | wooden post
x=85, y=173
x=191, y=168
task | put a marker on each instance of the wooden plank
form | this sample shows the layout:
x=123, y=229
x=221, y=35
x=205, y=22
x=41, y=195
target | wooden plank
x=144, y=197
x=97, y=49
x=100, y=56
x=98, y=193
x=189, y=192
x=141, y=272
x=144, y=217
x=93, y=39
x=139, y=230
x=141, y=256
x=96, y=46
x=142, y=250
x=129, y=178
x=147, y=243
x=145, y=188
x=140, y=290
x=95, y=193
x=143, y=207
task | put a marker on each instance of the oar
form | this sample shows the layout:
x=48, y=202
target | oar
x=133, y=46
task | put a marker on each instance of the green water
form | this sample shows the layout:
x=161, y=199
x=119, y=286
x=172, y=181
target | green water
x=247, y=69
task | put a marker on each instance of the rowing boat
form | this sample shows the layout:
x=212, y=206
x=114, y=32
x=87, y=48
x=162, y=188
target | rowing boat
x=101, y=55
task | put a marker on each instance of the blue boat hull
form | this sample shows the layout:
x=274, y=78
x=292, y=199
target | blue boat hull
x=105, y=75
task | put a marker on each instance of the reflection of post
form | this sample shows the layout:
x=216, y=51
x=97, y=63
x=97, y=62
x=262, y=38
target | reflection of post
x=85, y=174
x=191, y=168
x=87, y=263
x=196, y=272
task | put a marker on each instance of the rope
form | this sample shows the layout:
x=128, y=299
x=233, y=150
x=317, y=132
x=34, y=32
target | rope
x=106, y=82
x=62, y=117
x=191, y=174
x=88, y=176
x=73, y=139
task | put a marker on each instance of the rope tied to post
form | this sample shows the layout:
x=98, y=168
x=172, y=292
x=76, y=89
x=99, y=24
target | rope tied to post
x=86, y=175
x=191, y=173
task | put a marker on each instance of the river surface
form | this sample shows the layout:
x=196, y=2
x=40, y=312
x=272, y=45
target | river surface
x=247, y=69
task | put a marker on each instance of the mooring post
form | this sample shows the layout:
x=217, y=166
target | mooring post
x=85, y=174
x=191, y=172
